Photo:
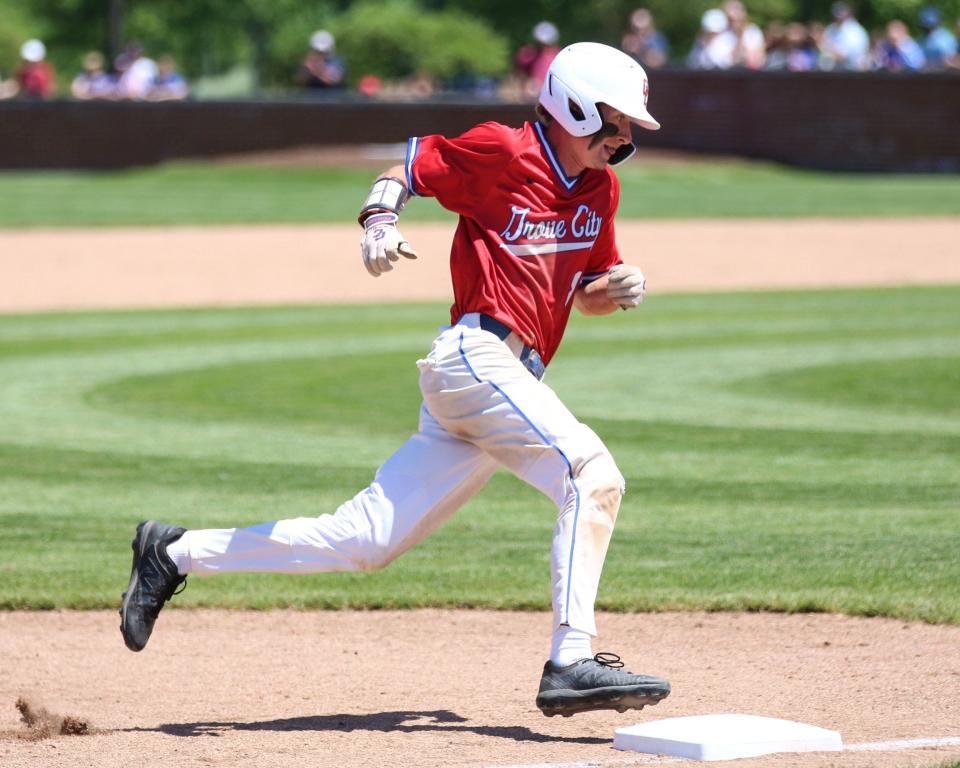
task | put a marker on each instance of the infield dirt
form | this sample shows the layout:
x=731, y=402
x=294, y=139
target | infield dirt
x=455, y=688
x=114, y=268
x=449, y=688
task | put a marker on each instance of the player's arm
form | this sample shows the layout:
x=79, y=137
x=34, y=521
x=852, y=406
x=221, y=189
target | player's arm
x=394, y=172
x=591, y=299
x=382, y=242
x=623, y=286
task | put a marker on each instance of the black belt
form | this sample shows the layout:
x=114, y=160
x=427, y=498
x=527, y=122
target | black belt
x=528, y=355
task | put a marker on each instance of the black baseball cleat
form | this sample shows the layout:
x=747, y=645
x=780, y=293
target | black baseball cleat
x=597, y=683
x=153, y=581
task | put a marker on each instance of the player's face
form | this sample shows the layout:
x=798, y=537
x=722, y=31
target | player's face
x=598, y=155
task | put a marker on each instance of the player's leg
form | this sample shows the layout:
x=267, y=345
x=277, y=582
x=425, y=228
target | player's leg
x=428, y=478
x=424, y=482
x=478, y=390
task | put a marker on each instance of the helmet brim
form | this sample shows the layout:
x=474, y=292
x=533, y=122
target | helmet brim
x=636, y=110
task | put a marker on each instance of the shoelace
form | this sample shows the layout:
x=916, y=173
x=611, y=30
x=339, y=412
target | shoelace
x=158, y=591
x=608, y=660
x=160, y=597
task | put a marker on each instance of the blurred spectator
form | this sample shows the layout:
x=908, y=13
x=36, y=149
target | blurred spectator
x=422, y=85
x=321, y=67
x=417, y=87
x=715, y=45
x=370, y=86
x=135, y=73
x=644, y=41
x=35, y=77
x=897, y=51
x=792, y=49
x=477, y=86
x=939, y=44
x=816, y=31
x=93, y=82
x=846, y=44
x=169, y=84
x=533, y=60
x=8, y=88
x=773, y=37
x=954, y=61
x=749, y=46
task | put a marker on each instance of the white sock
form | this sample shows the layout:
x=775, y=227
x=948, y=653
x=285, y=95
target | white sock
x=570, y=645
x=179, y=552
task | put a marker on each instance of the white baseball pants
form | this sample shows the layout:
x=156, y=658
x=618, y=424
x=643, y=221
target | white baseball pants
x=481, y=409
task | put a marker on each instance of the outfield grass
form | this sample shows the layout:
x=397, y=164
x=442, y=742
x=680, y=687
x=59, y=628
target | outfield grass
x=783, y=451
x=203, y=194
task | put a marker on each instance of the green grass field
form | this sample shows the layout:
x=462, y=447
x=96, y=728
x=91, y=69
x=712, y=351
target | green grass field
x=203, y=193
x=783, y=451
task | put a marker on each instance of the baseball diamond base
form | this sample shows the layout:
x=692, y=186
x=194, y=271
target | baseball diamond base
x=725, y=737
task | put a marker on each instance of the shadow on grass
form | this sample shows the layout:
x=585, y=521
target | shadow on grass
x=440, y=721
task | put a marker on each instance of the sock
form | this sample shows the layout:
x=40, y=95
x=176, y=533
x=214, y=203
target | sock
x=179, y=552
x=570, y=645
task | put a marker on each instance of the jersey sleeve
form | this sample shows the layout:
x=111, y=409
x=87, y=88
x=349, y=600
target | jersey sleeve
x=605, y=253
x=459, y=171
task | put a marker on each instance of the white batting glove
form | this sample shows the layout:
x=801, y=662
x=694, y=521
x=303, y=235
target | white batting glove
x=626, y=286
x=382, y=243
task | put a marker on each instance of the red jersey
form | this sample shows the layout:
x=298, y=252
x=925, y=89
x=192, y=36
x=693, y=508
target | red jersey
x=528, y=234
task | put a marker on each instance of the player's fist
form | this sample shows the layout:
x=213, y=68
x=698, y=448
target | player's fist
x=626, y=286
x=382, y=243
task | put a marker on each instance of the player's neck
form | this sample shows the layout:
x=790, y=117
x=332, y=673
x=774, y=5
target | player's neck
x=560, y=141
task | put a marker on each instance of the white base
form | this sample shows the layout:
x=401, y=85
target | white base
x=725, y=737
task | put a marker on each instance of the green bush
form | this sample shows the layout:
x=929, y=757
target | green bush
x=398, y=38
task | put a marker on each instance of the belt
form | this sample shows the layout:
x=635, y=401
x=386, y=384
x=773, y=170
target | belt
x=528, y=355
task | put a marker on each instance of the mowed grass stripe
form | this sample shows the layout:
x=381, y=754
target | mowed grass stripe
x=770, y=463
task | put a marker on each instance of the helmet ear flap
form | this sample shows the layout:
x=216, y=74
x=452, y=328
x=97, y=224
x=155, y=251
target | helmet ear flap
x=623, y=153
x=569, y=104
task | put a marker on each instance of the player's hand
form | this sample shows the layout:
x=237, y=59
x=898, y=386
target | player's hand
x=626, y=286
x=382, y=243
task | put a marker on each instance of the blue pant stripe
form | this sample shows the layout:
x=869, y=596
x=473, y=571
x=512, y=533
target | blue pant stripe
x=543, y=437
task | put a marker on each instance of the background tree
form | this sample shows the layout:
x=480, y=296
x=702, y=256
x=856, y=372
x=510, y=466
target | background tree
x=397, y=38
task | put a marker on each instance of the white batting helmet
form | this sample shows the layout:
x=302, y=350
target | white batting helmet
x=585, y=74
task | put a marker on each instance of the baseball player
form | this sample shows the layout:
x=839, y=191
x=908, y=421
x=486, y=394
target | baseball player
x=535, y=238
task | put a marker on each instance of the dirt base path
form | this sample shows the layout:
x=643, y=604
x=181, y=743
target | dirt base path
x=456, y=688
x=117, y=268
